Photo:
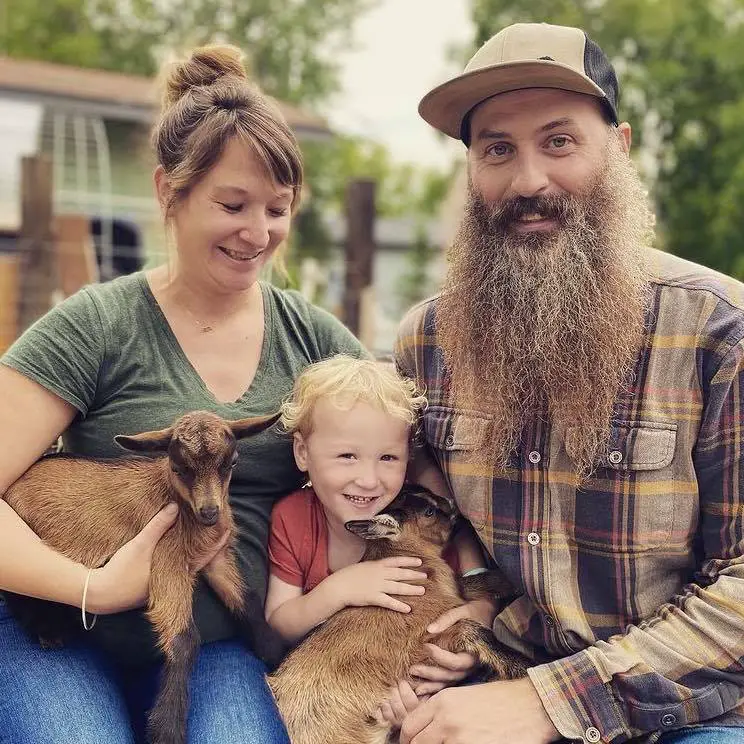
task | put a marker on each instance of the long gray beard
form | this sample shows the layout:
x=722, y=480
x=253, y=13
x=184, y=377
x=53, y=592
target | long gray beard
x=548, y=325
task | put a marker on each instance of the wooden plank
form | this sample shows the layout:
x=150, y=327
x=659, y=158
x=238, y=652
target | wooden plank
x=360, y=252
x=38, y=269
x=75, y=253
x=8, y=300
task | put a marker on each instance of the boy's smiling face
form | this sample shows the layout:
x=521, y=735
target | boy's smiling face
x=356, y=459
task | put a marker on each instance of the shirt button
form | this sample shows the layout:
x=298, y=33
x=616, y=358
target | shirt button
x=534, y=457
x=549, y=621
x=592, y=734
x=615, y=457
x=669, y=719
x=533, y=538
x=450, y=440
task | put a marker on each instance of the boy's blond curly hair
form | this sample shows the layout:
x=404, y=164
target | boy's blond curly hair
x=345, y=381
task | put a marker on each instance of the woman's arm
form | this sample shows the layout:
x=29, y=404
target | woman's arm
x=31, y=419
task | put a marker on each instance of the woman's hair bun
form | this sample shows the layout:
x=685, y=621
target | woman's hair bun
x=203, y=66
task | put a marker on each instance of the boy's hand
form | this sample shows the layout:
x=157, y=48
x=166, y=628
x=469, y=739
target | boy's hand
x=448, y=667
x=372, y=582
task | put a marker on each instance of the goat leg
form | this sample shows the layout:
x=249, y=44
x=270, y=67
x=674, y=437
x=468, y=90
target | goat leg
x=495, y=660
x=491, y=584
x=170, y=612
x=166, y=723
x=245, y=604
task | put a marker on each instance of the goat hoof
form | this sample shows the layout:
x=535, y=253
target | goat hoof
x=271, y=651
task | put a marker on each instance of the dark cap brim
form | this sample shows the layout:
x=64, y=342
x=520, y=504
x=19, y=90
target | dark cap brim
x=445, y=106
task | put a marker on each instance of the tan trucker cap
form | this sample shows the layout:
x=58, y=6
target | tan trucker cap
x=523, y=55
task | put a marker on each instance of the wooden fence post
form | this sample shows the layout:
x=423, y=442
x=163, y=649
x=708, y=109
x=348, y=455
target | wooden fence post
x=38, y=275
x=358, y=303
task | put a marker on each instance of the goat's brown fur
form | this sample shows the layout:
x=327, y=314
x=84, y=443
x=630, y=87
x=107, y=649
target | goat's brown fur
x=329, y=687
x=87, y=509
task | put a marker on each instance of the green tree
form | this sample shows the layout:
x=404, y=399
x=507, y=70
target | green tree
x=682, y=87
x=293, y=48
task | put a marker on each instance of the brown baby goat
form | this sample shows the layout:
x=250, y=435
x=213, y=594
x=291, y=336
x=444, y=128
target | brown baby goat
x=329, y=687
x=87, y=509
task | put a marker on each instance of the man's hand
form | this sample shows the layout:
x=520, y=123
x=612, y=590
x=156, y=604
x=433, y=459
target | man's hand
x=401, y=700
x=492, y=713
x=372, y=582
x=448, y=667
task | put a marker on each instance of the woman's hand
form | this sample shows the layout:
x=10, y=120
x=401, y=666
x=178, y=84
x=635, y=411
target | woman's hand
x=448, y=667
x=123, y=583
x=372, y=582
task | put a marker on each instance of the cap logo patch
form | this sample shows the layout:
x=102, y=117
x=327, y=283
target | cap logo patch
x=550, y=59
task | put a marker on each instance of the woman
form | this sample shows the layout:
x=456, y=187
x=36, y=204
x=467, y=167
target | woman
x=199, y=333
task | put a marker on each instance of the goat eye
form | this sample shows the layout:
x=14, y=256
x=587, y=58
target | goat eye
x=430, y=511
x=177, y=470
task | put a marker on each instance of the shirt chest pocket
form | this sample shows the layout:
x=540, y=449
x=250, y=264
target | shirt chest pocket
x=628, y=503
x=456, y=439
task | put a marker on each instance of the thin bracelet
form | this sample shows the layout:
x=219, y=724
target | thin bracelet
x=82, y=606
x=475, y=572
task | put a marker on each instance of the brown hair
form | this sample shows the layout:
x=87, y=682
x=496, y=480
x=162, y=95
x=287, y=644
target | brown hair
x=207, y=100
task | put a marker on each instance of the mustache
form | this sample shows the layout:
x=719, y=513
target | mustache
x=560, y=208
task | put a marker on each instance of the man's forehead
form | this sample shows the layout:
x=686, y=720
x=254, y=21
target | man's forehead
x=533, y=110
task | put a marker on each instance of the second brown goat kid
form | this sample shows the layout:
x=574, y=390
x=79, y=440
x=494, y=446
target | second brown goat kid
x=329, y=686
x=87, y=509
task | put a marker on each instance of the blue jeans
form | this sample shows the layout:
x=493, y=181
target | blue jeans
x=74, y=695
x=704, y=735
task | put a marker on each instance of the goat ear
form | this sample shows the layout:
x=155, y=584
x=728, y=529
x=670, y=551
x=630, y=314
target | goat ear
x=247, y=426
x=378, y=528
x=148, y=441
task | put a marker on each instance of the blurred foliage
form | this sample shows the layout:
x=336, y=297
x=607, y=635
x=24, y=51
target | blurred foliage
x=403, y=190
x=681, y=76
x=293, y=48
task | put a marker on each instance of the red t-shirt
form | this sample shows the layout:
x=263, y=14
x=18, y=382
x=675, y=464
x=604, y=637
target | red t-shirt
x=298, y=542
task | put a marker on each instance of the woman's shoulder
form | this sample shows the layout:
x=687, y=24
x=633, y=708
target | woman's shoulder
x=307, y=322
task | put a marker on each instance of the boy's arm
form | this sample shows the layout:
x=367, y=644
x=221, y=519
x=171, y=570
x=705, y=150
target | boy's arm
x=293, y=614
x=369, y=583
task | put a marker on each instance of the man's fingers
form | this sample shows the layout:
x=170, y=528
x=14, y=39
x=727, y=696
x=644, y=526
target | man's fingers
x=436, y=673
x=462, y=661
x=416, y=721
x=448, y=619
x=425, y=690
x=407, y=695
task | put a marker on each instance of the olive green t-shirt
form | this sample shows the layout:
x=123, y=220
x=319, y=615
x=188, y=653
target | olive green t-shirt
x=109, y=351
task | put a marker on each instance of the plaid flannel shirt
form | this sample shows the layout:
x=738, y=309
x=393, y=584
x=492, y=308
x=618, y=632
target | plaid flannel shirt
x=633, y=585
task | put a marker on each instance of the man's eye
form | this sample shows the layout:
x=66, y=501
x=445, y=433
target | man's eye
x=389, y=458
x=232, y=208
x=560, y=141
x=347, y=455
x=499, y=149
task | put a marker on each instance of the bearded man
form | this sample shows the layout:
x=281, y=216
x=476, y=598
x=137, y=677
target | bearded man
x=585, y=407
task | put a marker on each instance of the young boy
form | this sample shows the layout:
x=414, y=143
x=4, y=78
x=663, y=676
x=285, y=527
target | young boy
x=351, y=420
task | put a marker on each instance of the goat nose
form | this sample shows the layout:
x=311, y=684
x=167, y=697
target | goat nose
x=209, y=514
